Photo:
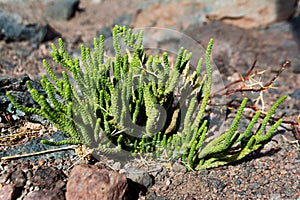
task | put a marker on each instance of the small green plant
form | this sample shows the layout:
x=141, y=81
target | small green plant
x=141, y=103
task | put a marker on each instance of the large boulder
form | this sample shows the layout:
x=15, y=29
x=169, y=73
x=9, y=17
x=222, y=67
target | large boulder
x=241, y=13
x=249, y=14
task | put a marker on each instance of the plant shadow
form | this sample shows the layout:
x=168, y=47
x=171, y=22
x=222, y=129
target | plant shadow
x=258, y=153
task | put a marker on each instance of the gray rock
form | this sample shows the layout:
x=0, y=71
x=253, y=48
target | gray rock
x=34, y=145
x=62, y=10
x=116, y=166
x=275, y=196
x=295, y=24
x=19, y=91
x=124, y=20
x=139, y=176
x=14, y=28
x=105, y=31
x=178, y=168
x=88, y=181
x=296, y=94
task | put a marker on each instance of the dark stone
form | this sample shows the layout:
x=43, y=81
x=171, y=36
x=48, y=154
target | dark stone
x=105, y=31
x=189, y=197
x=34, y=145
x=19, y=178
x=13, y=28
x=19, y=91
x=48, y=178
x=62, y=10
x=51, y=34
x=139, y=176
x=296, y=94
x=216, y=184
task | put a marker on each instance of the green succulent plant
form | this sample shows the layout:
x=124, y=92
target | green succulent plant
x=141, y=103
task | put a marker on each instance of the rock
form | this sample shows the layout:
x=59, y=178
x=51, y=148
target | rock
x=296, y=94
x=215, y=185
x=46, y=195
x=19, y=178
x=153, y=196
x=34, y=145
x=136, y=183
x=244, y=14
x=275, y=196
x=48, y=178
x=116, y=166
x=9, y=192
x=88, y=181
x=179, y=168
x=19, y=91
x=249, y=14
x=15, y=27
x=105, y=31
x=189, y=197
x=295, y=24
x=62, y=10
x=5, y=64
x=4, y=176
x=163, y=39
x=236, y=48
x=165, y=14
x=139, y=176
x=153, y=170
x=124, y=20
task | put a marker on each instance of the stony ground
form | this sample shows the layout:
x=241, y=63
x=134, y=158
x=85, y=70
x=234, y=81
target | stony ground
x=273, y=173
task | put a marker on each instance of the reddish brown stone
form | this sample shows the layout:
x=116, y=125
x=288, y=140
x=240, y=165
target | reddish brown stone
x=88, y=181
x=46, y=195
x=9, y=192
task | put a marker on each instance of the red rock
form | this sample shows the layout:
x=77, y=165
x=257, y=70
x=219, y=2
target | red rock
x=46, y=195
x=88, y=181
x=9, y=192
